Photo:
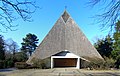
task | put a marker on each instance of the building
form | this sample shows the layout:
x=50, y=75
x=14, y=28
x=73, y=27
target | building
x=65, y=45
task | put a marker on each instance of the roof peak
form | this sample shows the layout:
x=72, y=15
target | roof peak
x=65, y=16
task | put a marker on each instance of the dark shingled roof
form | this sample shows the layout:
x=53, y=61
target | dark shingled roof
x=65, y=35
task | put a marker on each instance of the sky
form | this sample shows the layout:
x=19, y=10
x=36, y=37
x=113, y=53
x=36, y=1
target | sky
x=51, y=10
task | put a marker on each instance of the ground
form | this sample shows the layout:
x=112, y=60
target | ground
x=58, y=72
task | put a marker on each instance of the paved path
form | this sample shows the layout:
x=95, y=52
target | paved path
x=59, y=72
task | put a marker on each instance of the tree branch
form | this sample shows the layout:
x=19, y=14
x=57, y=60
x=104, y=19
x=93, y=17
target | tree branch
x=13, y=10
x=111, y=15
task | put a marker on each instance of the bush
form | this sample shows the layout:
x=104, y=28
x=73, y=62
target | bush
x=2, y=64
x=98, y=65
x=101, y=65
x=21, y=57
x=9, y=63
x=109, y=63
x=117, y=63
x=38, y=63
x=21, y=65
x=6, y=64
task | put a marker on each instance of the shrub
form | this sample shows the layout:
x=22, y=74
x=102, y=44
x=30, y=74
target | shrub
x=38, y=63
x=109, y=63
x=2, y=64
x=6, y=64
x=9, y=63
x=21, y=57
x=100, y=65
x=21, y=65
x=117, y=63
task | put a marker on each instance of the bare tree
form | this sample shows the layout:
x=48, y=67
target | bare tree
x=111, y=15
x=12, y=10
x=11, y=47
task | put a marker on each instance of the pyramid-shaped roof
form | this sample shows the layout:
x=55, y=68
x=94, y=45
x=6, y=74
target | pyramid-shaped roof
x=66, y=35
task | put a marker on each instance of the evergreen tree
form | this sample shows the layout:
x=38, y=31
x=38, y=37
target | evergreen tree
x=116, y=46
x=2, y=49
x=29, y=43
x=104, y=46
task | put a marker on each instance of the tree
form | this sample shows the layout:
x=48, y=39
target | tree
x=21, y=57
x=111, y=14
x=116, y=45
x=104, y=46
x=12, y=10
x=29, y=43
x=12, y=47
x=116, y=36
x=2, y=49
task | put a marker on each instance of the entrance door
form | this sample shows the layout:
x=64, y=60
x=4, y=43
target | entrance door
x=65, y=62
